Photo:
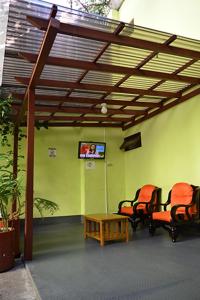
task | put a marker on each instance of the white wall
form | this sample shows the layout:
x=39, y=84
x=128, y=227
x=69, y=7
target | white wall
x=179, y=17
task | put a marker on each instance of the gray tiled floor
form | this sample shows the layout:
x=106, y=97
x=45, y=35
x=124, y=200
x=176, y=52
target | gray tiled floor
x=67, y=267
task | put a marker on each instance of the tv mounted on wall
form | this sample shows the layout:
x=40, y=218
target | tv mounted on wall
x=88, y=150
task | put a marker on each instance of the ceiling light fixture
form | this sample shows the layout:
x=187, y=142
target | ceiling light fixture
x=104, y=108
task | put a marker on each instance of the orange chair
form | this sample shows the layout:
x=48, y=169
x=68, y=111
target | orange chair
x=184, y=200
x=146, y=201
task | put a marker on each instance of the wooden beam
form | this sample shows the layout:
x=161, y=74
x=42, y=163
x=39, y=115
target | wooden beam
x=82, y=119
x=108, y=68
x=164, y=108
x=95, y=87
x=72, y=124
x=28, y=230
x=88, y=33
x=117, y=30
x=72, y=100
x=140, y=65
x=81, y=110
x=47, y=43
x=15, y=164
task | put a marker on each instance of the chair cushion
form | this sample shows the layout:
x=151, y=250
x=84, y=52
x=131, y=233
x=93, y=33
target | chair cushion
x=166, y=216
x=145, y=195
x=162, y=216
x=142, y=207
x=128, y=210
x=182, y=193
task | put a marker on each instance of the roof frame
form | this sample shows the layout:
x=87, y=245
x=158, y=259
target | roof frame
x=138, y=110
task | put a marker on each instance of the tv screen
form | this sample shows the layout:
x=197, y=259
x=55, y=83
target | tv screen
x=91, y=150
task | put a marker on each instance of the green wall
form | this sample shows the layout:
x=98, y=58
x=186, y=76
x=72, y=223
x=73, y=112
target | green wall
x=152, y=14
x=170, y=149
x=169, y=154
x=66, y=180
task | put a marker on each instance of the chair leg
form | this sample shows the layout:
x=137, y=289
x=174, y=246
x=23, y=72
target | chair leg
x=133, y=224
x=174, y=233
x=152, y=228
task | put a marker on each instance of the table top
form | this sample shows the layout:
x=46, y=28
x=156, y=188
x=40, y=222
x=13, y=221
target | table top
x=105, y=217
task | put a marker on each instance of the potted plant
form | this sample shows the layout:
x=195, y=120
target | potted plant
x=9, y=187
x=10, y=190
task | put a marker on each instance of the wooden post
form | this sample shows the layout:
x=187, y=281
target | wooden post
x=15, y=164
x=28, y=231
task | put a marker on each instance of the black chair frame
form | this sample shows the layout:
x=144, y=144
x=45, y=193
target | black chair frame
x=138, y=215
x=177, y=219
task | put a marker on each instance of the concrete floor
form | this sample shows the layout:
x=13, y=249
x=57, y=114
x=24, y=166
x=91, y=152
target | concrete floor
x=65, y=266
x=17, y=284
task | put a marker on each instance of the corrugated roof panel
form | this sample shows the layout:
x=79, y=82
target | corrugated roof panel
x=21, y=36
x=63, y=122
x=109, y=106
x=52, y=92
x=172, y=86
x=150, y=99
x=139, y=82
x=120, y=116
x=49, y=103
x=186, y=43
x=135, y=108
x=165, y=63
x=87, y=94
x=76, y=104
x=76, y=48
x=95, y=115
x=145, y=33
x=103, y=78
x=40, y=113
x=61, y=73
x=120, y=96
x=15, y=67
x=59, y=114
x=193, y=70
x=123, y=56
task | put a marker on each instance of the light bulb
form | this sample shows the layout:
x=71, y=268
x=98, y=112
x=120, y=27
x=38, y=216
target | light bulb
x=104, y=108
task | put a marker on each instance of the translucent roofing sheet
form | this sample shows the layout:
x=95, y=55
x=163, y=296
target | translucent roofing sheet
x=22, y=36
x=166, y=63
x=123, y=56
x=140, y=82
x=93, y=77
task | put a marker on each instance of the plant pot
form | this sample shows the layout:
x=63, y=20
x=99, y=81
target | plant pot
x=16, y=225
x=16, y=244
x=7, y=254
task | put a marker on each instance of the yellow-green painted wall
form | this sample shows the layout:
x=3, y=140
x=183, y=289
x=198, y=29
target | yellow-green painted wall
x=58, y=179
x=170, y=149
x=65, y=180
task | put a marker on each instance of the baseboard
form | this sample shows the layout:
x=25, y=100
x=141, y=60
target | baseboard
x=54, y=220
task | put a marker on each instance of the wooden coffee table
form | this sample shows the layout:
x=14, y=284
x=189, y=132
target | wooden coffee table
x=106, y=227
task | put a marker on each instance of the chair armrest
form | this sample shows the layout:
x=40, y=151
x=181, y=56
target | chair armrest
x=163, y=204
x=147, y=204
x=174, y=210
x=124, y=201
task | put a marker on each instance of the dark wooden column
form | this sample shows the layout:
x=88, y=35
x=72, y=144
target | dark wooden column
x=28, y=231
x=15, y=163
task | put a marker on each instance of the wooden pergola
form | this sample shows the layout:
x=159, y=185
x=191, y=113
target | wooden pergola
x=137, y=72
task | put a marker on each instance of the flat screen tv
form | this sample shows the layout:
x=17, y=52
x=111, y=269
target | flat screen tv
x=88, y=150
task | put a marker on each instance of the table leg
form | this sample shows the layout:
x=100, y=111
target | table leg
x=101, y=234
x=85, y=228
x=127, y=235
